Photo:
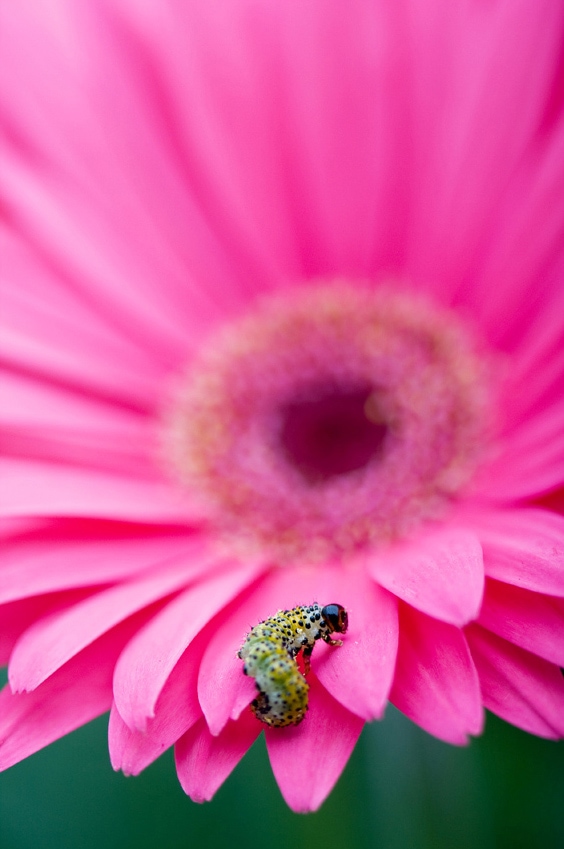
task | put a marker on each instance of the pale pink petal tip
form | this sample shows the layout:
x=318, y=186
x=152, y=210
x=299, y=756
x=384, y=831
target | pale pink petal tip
x=147, y=661
x=441, y=574
x=533, y=621
x=436, y=684
x=518, y=686
x=524, y=547
x=307, y=760
x=203, y=761
x=177, y=709
x=359, y=673
x=65, y=633
x=74, y=695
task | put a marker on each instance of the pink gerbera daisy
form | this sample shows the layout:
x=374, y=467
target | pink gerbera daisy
x=283, y=324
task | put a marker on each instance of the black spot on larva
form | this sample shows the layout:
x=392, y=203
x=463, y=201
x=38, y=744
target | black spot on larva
x=269, y=652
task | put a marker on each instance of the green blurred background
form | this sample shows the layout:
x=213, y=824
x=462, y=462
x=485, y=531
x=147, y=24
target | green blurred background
x=400, y=789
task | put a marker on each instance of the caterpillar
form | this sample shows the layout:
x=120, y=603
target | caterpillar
x=270, y=650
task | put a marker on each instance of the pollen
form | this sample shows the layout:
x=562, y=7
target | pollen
x=329, y=421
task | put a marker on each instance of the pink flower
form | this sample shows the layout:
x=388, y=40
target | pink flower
x=283, y=323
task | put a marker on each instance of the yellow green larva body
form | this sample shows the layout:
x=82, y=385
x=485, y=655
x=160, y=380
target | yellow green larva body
x=270, y=650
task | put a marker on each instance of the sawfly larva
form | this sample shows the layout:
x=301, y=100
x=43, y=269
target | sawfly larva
x=270, y=651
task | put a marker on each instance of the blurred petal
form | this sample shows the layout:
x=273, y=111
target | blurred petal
x=222, y=688
x=524, y=547
x=176, y=711
x=17, y=616
x=149, y=658
x=441, y=574
x=203, y=761
x=472, y=61
x=75, y=694
x=530, y=620
x=49, y=643
x=359, y=673
x=531, y=458
x=83, y=553
x=308, y=759
x=436, y=684
x=520, y=687
x=43, y=488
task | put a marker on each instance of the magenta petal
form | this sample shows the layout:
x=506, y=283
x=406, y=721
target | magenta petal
x=436, y=684
x=530, y=620
x=223, y=689
x=177, y=709
x=66, y=554
x=17, y=616
x=49, y=489
x=149, y=658
x=475, y=54
x=308, y=759
x=441, y=575
x=531, y=460
x=359, y=673
x=75, y=694
x=519, y=686
x=116, y=450
x=53, y=339
x=49, y=643
x=524, y=547
x=203, y=761
x=34, y=404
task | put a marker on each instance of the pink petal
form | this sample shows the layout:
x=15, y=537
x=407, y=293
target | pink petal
x=289, y=186
x=524, y=547
x=223, y=689
x=47, y=489
x=308, y=759
x=539, y=360
x=471, y=66
x=522, y=266
x=54, y=332
x=128, y=451
x=436, y=684
x=29, y=402
x=176, y=711
x=133, y=252
x=442, y=574
x=83, y=243
x=55, y=639
x=530, y=620
x=147, y=661
x=359, y=674
x=203, y=761
x=17, y=616
x=520, y=687
x=67, y=553
x=531, y=457
x=75, y=694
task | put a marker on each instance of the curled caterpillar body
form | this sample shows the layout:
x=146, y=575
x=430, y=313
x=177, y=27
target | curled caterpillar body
x=270, y=650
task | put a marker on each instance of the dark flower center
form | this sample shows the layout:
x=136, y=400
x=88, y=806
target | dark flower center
x=330, y=432
x=329, y=420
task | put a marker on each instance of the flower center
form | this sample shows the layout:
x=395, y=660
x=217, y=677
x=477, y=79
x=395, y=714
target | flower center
x=330, y=432
x=329, y=421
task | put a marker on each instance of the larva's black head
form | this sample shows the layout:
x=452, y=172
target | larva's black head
x=336, y=617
